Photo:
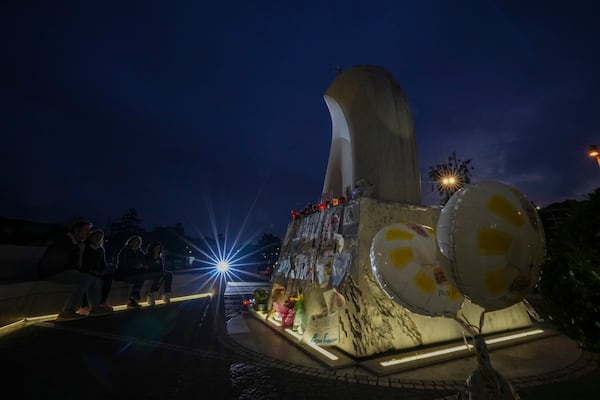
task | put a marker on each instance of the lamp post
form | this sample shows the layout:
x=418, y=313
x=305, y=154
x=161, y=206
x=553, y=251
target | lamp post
x=594, y=153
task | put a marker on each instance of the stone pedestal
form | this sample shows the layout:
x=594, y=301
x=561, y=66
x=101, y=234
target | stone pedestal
x=370, y=322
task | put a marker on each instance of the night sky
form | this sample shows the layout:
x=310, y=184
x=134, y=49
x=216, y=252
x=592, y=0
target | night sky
x=177, y=108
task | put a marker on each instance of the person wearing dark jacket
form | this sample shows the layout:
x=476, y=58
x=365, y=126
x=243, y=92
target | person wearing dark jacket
x=94, y=262
x=61, y=262
x=162, y=277
x=131, y=268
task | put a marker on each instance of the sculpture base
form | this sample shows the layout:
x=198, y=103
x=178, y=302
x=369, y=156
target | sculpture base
x=370, y=322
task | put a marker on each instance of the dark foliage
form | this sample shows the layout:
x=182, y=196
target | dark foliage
x=570, y=280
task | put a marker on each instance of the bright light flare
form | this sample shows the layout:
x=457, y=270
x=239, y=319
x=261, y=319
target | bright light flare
x=222, y=266
x=449, y=181
x=220, y=259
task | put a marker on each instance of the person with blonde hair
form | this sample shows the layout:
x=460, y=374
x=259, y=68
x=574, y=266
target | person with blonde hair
x=131, y=268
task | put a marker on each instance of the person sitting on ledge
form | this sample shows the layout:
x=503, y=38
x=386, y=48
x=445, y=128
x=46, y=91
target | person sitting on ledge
x=154, y=261
x=94, y=262
x=62, y=263
x=132, y=268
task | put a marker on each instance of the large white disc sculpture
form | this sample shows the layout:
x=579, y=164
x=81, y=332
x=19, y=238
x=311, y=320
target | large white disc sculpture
x=494, y=241
x=405, y=261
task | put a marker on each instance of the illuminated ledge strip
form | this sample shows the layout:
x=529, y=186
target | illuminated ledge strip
x=515, y=336
x=42, y=318
x=424, y=355
x=264, y=316
x=12, y=326
x=173, y=300
x=294, y=334
x=318, y=348
x=457, y=348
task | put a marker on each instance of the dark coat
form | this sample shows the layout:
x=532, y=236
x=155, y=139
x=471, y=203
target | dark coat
x=127, y=259
x=154, y=264
x=93, y=259
x=61, y=255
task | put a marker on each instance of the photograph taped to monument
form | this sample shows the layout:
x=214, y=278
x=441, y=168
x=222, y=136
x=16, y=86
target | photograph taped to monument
x=304, y=229
x=341, y=264
x=331, y=224
x=315, y=227
x=321, y=224
x=324, y=267
x=350, y=218
x=284, y=266
x=299, y=262
x=304, y=265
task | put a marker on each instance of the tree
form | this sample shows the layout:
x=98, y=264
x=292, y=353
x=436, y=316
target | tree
x=120, y=230
x=129, y=223
x=173, y=240
x=570, y=277
x=448, y=178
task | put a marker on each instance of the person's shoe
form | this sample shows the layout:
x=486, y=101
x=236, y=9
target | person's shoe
x=151, y=299
x=133, y=304
x=107, y=307
x=167, y=298
x=98, y=310
x=83, y=311
x=68, y=315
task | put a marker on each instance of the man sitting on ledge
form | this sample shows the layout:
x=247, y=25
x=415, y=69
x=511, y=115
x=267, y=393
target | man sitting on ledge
x=61, y=262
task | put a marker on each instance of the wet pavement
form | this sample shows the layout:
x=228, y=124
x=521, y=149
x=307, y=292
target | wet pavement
x=187, y=350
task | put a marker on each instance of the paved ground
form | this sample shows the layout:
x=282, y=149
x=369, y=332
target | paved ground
x=183, y=351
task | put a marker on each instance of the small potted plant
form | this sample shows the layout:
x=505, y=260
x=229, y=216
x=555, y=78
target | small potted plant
x=261, y=296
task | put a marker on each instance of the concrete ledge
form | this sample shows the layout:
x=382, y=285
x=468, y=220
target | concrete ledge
x=20, y=300
x=26, y=299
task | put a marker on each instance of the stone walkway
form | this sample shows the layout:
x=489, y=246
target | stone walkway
x=530, y=364
x=172, y=352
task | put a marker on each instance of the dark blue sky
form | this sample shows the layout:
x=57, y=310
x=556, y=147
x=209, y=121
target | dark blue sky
x=163, y=105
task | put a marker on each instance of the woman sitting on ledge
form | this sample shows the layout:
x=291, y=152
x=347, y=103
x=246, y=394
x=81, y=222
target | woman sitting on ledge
x=134, y=266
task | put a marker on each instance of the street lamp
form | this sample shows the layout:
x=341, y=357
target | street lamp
x=594, y=153
x=448, y=184
x=448, y=181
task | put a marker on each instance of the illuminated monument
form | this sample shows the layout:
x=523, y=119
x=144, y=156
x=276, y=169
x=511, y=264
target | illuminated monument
x=373, y=137
x=373, y=172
